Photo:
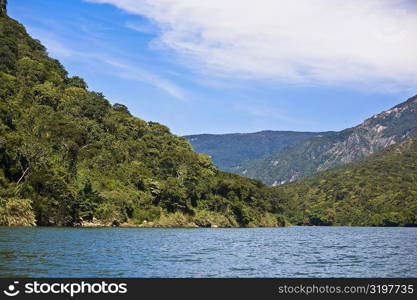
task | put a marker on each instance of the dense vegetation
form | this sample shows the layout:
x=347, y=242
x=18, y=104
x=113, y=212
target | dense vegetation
x=229, y=151
x=70, y=157
x=380, y=190
x=322, y=153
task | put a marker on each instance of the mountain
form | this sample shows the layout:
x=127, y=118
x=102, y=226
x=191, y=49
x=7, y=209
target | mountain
x=379, y=190
x=68, y=157
x=229, y=151
x=325, y=152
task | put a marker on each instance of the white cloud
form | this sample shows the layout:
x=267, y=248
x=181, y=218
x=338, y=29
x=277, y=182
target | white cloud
x=303, y=41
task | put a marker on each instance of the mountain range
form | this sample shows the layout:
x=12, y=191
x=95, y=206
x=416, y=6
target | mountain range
x=68, y=157
x=280, y=157
x=229, y=151
x=322, y=153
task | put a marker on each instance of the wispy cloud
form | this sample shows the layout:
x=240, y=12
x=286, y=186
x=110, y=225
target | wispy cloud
x=54, y=46
x=263, y=111
x=304, y=42
x=141, y=27
x=124, y=69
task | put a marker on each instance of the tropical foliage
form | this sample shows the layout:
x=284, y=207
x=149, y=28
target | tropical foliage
x=380, y=190
x=71, y=156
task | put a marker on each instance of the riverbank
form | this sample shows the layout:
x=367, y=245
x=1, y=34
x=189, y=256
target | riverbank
x=200, y=219
x=19, y=213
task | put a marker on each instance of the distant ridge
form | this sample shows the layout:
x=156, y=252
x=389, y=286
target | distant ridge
x=322, y=153
x=229, y=151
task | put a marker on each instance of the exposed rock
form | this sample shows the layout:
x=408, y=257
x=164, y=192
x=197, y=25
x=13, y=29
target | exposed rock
x=322, y=153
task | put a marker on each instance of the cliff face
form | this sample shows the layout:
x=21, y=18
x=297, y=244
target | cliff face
x=322, y=153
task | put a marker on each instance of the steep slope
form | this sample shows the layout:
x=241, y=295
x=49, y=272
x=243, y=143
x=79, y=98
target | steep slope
x=67, y=156
x=379, y=190
x=228, y=151
x=322, y=153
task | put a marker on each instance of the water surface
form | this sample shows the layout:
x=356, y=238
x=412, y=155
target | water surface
x=254, y=252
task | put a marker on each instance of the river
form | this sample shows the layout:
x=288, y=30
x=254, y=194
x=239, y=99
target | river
x=206, y=252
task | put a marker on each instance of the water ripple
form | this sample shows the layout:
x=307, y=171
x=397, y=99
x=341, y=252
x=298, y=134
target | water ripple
x=205, y=252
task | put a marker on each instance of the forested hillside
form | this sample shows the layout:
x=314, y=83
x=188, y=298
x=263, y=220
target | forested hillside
x=229, y=151
x=69, y=157
x=380, y=190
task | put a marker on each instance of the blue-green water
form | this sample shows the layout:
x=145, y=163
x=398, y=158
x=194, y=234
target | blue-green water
x=258, y=252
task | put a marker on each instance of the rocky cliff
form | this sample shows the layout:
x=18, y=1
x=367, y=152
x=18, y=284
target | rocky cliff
x=322, y=153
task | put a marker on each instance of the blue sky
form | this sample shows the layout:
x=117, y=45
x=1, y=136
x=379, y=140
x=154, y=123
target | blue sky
x=229, y=67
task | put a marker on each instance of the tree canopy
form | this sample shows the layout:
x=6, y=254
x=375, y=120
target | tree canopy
x=75, y=157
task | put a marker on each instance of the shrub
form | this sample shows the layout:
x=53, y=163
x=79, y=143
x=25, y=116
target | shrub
x=146, y=214
x=205, y=218
x=16, y=212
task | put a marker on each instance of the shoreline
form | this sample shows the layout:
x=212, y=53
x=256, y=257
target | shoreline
x=190, y=226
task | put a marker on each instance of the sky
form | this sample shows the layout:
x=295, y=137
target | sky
x=225, y=66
